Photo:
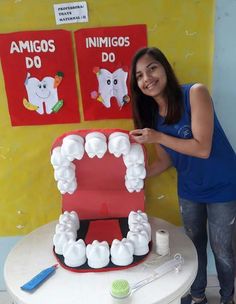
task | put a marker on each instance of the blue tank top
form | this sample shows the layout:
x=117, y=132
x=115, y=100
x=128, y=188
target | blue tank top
x=209, y=180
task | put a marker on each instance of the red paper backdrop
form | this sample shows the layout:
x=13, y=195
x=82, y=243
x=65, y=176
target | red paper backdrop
x=15, y=70
x=111, y=48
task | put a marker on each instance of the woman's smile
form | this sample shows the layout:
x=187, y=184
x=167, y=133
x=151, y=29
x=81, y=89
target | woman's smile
x=151, y=85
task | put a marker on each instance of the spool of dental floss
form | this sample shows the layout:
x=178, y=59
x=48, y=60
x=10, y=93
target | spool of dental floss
x=162, y=242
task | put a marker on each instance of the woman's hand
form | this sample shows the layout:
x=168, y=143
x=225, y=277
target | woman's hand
x=145, y=136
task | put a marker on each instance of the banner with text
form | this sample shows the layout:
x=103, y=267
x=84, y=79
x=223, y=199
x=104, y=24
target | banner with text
x=39, y=73
x=104, y=56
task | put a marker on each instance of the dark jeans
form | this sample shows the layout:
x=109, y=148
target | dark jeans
x=221, y=221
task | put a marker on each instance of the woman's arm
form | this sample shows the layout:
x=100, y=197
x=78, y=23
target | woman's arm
x=161, y=163
x=202, y=120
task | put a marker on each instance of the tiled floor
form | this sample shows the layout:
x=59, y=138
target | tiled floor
x=4, y=298
x=212, y=292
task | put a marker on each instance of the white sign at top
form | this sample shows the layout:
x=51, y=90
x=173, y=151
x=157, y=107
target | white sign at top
x=72, y=12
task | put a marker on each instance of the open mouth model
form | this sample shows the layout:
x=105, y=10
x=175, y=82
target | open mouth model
x=101, y=176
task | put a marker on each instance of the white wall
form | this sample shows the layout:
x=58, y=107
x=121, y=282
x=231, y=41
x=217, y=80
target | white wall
x=6, y=244
x=224, y=79
x=224, y=76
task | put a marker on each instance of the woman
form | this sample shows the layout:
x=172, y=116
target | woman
x=181, y=122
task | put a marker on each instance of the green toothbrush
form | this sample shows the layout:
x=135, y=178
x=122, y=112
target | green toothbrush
x=121, y=289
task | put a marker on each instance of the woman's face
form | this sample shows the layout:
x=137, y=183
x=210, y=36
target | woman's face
x=151, y=76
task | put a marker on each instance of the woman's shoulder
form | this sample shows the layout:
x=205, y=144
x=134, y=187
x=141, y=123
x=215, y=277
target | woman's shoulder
x=194, y=86
x=199, y=90
x=197, y=87
x=195, y=92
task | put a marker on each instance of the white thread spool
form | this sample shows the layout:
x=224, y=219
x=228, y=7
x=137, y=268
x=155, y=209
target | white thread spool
x=162, y=242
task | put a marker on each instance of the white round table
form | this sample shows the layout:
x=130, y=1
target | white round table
x=34, y=253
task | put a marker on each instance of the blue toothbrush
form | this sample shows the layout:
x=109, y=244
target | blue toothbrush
x=37, y=280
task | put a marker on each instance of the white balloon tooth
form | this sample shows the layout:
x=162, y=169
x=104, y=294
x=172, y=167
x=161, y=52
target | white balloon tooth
x=74, y=253
x=73, y=147
x=98, y=254
x=136, y=171
x=70, y=218
x=60, y=239
x=57, y=159
x=141, y=226
x=134, y=184
x=95, y=144
x=140, y=241
x=67, y=227
x=122, y=252
x=67, y=186
x=119, y=144
x=137, y=216
x=65, y=173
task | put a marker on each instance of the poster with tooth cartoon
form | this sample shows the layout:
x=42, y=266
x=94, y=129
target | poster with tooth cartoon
x=39, y=74
x=104, y=56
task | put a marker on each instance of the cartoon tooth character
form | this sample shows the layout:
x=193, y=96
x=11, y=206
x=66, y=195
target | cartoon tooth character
x=112, y=85
x=42, y=92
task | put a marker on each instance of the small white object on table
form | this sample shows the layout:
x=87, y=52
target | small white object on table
x=34, y=253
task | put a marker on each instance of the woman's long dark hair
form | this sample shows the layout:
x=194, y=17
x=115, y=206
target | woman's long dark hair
x=145, y=108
